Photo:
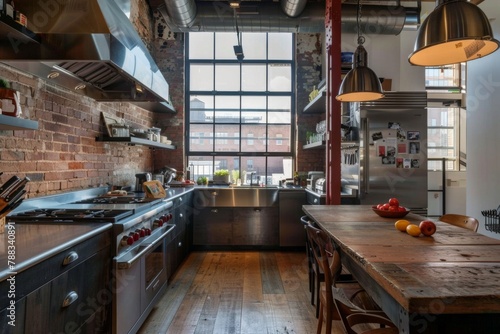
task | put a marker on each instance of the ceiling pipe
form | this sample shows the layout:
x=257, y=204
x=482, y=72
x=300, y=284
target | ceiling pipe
x=182, y=13
x=269, y=17
x=293, y=8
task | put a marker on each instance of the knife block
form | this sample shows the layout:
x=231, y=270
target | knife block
x=2, y=224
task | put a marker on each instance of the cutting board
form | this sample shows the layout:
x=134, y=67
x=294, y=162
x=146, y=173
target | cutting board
x=154, y=189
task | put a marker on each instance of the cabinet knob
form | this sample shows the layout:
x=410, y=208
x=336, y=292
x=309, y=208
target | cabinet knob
x=214, y=210
x=71, y=257
x=70, y=299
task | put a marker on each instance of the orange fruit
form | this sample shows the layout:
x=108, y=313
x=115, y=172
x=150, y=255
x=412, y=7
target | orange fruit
x=413, y=230
x=401, y=225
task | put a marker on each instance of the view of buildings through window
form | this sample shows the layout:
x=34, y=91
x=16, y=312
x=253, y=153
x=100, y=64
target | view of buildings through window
x=240, y=112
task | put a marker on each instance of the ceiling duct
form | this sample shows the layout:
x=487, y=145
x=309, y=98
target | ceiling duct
x=181, y=12
x=268, y=16
x=89, y=47
x=293, y=8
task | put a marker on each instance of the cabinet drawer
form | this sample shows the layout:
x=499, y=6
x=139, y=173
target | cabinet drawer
x=34, y=277
x=68, y=301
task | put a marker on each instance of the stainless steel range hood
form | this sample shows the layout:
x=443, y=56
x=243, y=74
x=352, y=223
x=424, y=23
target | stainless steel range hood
x=87, y=45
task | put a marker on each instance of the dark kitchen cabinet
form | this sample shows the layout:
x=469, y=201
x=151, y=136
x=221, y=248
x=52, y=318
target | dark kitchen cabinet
x=224, y=226
x=213, y=227
x=66, y=293
x=256, y=227
x=180, y=245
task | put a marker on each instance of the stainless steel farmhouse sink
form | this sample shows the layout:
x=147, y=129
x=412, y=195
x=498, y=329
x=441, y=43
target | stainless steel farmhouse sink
x=236, y=197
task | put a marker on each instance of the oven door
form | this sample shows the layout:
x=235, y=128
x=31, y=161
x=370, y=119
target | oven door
x=154, y=273
x=140, y=277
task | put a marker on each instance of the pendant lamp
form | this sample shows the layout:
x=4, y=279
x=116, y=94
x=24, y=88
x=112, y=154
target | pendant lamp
x=455, y=31
x=360, y=83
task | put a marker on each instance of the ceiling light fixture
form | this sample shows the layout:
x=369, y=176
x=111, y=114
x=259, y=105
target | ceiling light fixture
x=360, y=83
x=234, y=4
x=455, y=31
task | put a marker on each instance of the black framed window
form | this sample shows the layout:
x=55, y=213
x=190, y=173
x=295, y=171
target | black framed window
x=239, y=112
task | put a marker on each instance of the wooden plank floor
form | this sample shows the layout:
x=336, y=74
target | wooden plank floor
x=244, y=292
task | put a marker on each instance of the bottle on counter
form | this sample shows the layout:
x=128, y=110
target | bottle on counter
x=188, y=173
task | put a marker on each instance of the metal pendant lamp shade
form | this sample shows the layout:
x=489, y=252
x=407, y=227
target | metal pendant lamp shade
x=455, y=31
x=360, y=83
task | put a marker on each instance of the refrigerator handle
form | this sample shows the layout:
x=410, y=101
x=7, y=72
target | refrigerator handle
x=366, y=157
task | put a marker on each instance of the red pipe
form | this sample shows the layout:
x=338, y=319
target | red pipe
x=333, y=112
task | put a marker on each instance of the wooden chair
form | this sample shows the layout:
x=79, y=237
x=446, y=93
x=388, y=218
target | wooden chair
x=316, y=275
x=310, y=258
x=461, y=221
x=329, y=262
x=364, y=322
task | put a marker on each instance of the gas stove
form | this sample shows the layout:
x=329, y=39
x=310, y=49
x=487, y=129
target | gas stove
x=142, y=229
x=118, y=200
x=59, y=215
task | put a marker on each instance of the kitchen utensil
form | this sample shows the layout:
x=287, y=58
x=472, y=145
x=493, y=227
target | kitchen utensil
x=16, y=189
x=14, y=202
x=140, y=178
x=120, y=130
x=169, y=173
x=7, y=185
x=159, y=177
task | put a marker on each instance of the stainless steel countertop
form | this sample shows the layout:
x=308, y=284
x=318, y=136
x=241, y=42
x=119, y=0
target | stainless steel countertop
x=35, y=243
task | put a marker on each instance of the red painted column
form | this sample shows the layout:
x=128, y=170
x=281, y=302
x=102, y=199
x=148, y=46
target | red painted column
x=333, y=112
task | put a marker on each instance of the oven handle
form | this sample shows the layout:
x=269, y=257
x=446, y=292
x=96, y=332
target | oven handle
x=145, y=248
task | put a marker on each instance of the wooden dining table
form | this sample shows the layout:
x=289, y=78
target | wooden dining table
x=445, y=283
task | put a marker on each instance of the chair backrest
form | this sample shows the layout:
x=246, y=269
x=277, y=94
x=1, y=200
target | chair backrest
x=326, y=256
x=461, y=221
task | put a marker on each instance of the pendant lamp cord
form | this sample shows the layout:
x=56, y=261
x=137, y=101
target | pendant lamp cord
x=361, y=39
x=237, y=30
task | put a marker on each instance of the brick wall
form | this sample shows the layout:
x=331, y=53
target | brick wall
x=309, y=60
x=63, y=154
x=169, y=54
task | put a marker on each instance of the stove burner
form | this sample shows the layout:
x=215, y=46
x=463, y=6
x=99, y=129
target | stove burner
x=72, y=215
x=117, y=200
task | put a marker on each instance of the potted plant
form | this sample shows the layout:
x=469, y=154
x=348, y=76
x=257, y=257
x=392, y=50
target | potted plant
x=9, y=99
x=202, y=180
x=221, y=176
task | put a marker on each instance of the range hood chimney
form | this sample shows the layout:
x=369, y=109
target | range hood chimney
x=89, y=46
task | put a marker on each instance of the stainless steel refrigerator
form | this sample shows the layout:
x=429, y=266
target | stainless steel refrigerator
x=384, y=154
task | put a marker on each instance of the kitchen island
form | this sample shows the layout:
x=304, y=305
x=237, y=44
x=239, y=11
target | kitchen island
x=446, y=283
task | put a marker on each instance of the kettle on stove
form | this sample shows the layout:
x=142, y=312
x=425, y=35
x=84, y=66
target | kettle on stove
x=140, y=178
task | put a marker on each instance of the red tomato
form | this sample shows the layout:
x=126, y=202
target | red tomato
x=385, y=207
x=402, y=209
x=393, y=202
x=393, y=208
x=379, y=206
